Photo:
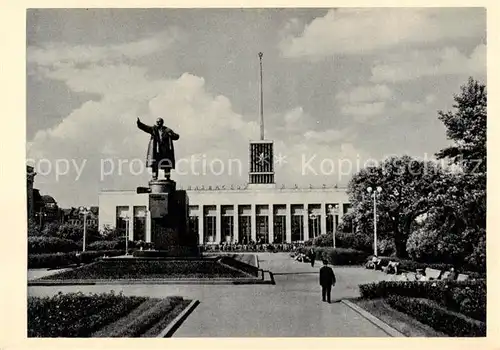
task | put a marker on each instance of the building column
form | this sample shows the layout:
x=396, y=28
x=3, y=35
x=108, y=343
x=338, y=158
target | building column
x=236, y=222
x=306, y=222
x=323, y=218
x=288, y=224
x=253, y=223
x=131, y=226
x=201, y=227
x=218, y=224
x=271, y=223
x=148, y=226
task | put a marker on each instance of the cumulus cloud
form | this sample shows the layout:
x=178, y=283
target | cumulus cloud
x=365, y=30
x=421, y=63
x=60, y=55
x=363, y=112
x=365, y=93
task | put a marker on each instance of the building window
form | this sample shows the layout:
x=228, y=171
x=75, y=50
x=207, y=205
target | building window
x=279, y=224
x=227, y=223
x=209, y=224
x=297, y=223
x=262, y=212
x=332, y=217
x=194, y=219
x=139, y=223
x=244, y=224
x=121, y=216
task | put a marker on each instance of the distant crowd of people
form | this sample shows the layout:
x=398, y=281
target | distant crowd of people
x=251, y=246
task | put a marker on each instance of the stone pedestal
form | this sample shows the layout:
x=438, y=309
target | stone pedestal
x=169, y=227
x=162, y=186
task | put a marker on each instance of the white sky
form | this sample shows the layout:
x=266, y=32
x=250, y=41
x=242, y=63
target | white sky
x=340, y=85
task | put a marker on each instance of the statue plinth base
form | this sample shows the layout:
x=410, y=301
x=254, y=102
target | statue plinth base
x=169, y=210
x=162, y=186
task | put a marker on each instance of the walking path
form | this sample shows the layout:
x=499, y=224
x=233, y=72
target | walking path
x=291, y=308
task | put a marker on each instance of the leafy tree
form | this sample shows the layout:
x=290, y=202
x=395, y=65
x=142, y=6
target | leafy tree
x=455, y=226
x=407, y=187
x=33, y=228
x=466, y=126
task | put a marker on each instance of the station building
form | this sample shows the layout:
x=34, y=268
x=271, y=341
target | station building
x=260, y=212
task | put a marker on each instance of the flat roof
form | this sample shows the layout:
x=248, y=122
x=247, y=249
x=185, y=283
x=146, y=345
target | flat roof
x=240, y=190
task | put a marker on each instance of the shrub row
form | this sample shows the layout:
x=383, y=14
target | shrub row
x=42, y=244
x=76, y=314
x=338, y=256
x=438, y=317
x=466, y=297
x=56, y=260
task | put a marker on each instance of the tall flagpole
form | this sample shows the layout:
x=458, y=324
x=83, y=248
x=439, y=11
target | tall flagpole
x=261, y=100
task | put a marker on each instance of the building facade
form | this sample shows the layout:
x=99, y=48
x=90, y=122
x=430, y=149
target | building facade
x=265, y=215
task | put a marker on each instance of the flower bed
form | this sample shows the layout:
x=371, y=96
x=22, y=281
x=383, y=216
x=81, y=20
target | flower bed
x=76, y=314
x=466, y=297
x=148, y=269
x=438, y=317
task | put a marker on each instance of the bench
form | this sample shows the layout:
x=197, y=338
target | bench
x=445, y=275
x=462, y=277
x=372, y=264
x=392, y=267
x=432, y=274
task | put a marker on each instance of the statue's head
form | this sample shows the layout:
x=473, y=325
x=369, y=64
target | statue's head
x=159, y=122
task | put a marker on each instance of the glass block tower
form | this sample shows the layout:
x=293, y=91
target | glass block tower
x=261, y=167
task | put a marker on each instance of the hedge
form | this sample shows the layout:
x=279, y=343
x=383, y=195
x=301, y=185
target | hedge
x=76, y=314
x=338, y=256
x=466, y=297
x=106, y=245
x=438, y=317
x=56, y=260
x=45, y=245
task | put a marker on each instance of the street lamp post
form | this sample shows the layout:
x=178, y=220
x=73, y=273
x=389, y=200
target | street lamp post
x=84, y=211
x=313, y=217
x=375, y=193
x=332, y=210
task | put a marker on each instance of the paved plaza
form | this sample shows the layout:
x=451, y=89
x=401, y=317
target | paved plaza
x=290, y=308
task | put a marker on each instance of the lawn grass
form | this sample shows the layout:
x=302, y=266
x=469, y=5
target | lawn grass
x=166, y=319
x=101, y=315
x=149, y=269
x=400, y=321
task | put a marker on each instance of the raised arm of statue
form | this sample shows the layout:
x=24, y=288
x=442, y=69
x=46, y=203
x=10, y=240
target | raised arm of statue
x=144, y=127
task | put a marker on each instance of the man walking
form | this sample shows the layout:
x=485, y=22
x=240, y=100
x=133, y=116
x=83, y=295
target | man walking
x=326, y=280
x=312, y=256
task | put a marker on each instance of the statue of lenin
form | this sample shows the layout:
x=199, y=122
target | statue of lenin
x=161, y=147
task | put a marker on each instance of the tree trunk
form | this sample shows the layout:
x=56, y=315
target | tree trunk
x=401, y=237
